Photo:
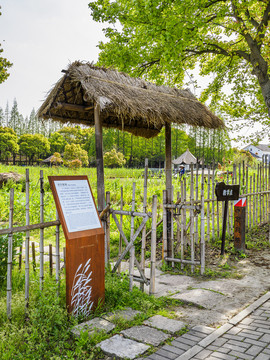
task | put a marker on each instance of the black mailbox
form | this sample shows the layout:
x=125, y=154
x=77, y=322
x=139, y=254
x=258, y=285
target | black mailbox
x=227, y=192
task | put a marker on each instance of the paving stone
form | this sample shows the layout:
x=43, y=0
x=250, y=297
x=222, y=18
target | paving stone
x=163, y=323
x=127, y=314
x=203, y=354
x=223, y=356
x=173, y=349
x=262, y=356
x=146, y=334
x=180, y=345
x=203, y=329
x=92, y=326
x=254, y=350
x=240, y=355
x=265, y=338
x=123, y=348
x=166, y=354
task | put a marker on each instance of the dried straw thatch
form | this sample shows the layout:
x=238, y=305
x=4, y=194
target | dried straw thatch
x=131, y=104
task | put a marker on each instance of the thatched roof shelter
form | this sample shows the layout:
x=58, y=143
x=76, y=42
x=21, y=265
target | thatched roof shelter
x=91, y=95
x=126, y=103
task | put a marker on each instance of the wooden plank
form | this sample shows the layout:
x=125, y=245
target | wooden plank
x=107, y=239
x=57, y=253
x=29, y=227
x=121, y=224
x=165, y=232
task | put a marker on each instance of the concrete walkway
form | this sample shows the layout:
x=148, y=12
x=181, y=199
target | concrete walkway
x=246, y=336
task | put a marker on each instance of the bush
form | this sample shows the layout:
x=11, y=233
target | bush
x=114, y=159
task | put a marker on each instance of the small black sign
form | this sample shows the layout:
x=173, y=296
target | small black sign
x=227, y=192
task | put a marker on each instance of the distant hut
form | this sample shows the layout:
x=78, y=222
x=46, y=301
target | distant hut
x=186, y=159
x=91, y=95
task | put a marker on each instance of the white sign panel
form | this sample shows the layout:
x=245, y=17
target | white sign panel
x=77, y=205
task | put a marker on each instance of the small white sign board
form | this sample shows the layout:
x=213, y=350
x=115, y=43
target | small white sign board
x=77, y=205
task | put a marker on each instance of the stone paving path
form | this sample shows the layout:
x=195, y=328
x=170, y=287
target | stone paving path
x=246, y=336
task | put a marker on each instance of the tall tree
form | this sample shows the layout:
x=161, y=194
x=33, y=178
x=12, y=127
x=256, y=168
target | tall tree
x=4, y=64
x=2, y=119
x=228, y=39
x=14, y=121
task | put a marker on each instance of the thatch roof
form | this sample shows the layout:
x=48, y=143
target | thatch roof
x=126, y=103
x=185, y=158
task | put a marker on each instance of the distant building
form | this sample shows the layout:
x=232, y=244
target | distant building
x=258, y=151
x=185, y=159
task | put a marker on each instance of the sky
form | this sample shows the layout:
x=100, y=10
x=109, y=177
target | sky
x=41, y=38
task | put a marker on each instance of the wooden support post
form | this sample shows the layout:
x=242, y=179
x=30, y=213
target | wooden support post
x=107, y=239
x=224, y=227
x=9, y=260
x=153, y=246
x=239, y=228
x=27, y=237
x=196, y=231
x=41, y=241
x=99, y=158
x=144, y=229
x=168, y=171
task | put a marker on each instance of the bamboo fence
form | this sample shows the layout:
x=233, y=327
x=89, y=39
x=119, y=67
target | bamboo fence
x=196, y=216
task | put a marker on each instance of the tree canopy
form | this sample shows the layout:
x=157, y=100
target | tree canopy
x=164, y=40
x=4, y=64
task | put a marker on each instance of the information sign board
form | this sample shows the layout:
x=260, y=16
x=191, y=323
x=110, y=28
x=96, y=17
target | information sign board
x=227, y=192
x=85, y=265
x=77, y=204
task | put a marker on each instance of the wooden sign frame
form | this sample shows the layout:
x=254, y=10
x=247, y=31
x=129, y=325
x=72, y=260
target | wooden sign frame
x=85, y=256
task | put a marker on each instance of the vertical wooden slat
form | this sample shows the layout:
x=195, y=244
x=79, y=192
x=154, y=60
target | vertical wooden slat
x=183, y=223
x=168, y=171
x=41, y=241
x=178, y=227
x=33, y=256
x=208, y=204
x=108, y=201
x=57, y=253
x=27, y=237
x=202, y=242
x=99, y=158
x=213, y=202
x=250, y=201
x=247, y=196
x=192, y=216
x=269, y=195
x=9, y=260
x=132, y=250
x=121, y=224
x=144, y=229
x=20, y=258
x=254, y=200
x=165, y=232
x=153, y=246
x=228, y=217
x=172, y=224
x=51, y=259
x=196, y=232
